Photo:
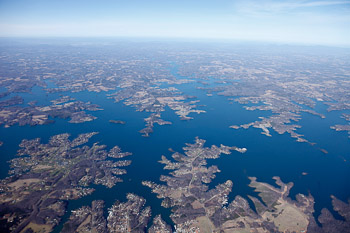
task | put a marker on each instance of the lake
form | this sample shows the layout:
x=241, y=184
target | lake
x=279, y=155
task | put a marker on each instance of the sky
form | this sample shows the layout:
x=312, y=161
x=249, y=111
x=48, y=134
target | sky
x=321, y=22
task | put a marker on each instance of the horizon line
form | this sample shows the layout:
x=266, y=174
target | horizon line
x=183, y=39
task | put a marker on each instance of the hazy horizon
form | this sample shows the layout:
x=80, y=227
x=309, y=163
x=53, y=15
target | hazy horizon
x=318, y=22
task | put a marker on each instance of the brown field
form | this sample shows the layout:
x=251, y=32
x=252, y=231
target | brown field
x=23, y=182
x=38, y=228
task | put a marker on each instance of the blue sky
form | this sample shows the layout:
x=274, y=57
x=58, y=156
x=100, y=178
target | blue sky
x=307, y=22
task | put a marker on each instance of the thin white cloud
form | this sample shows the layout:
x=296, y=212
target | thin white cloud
x=323, y=3
x=260, y=8
x=304, y=4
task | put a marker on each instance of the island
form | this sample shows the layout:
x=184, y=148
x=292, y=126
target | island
x=154, y=100
x=64, y=107
x=343, y=127
x=195, y=208
x=285, y=88
x=45, y=176
x=286, y=83
x=145, y=84
x=117, y=122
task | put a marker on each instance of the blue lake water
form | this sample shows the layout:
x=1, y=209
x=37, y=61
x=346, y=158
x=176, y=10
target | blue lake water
x=279, y=155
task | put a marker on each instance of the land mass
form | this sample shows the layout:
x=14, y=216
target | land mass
x=286, y=83
x=195, y=208
x=44, y=176
x=343, y=127
x=64, y=107
x=129, y=216
x=117, y=122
